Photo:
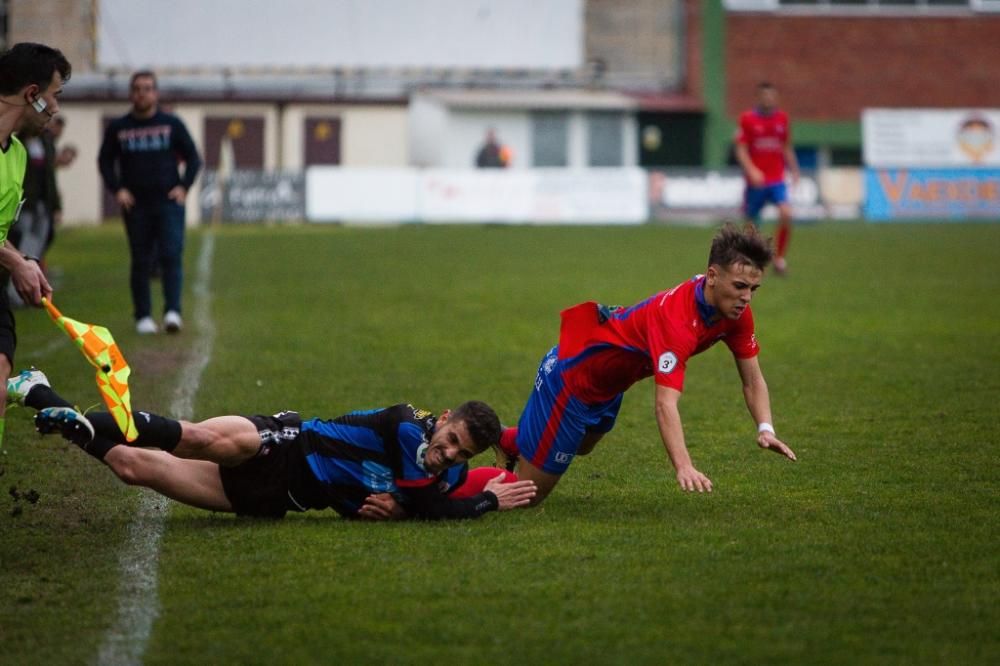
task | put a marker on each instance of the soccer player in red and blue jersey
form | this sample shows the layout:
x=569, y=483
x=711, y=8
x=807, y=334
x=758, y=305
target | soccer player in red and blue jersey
x=764, y=150
x=603, y=350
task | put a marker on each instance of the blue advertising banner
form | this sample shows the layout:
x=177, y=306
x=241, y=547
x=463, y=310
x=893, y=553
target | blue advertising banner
x=932, y=194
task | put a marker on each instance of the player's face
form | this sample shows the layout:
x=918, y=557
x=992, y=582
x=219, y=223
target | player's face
x=733, y=287
x=450, y=445
x=767, y=98
x=143, y=94
x=33, y=121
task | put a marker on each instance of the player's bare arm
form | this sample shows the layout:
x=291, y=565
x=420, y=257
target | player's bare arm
x=510, y=495
x=754, y=175
x=792, y=163
x=759, y=404
x=668, y=419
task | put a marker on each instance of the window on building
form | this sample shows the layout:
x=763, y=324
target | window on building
x=549, y=138
x=845, y=156
x=604, y=139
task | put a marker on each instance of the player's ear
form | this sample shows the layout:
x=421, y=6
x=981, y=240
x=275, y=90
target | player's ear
x=443, y=418
x=711, y=275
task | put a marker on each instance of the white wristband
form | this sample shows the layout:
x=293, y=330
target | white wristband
x=765, y=427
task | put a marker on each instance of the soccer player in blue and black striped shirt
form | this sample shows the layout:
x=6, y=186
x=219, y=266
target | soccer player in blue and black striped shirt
x=268, y=465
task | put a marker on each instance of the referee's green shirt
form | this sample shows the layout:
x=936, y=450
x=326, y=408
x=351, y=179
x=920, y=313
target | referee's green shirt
x=12, y=164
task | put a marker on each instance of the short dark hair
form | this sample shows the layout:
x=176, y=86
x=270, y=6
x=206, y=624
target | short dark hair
x=765, y=85
x=482, y=422
x=143, y=74
x=29, y=63
x=733, y=245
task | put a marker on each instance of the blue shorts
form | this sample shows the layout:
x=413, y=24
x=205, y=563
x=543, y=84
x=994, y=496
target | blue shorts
x=755, y=198
x=554, y=422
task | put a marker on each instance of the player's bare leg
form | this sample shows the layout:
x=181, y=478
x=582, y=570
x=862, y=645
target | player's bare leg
x=588, y=443
x=227, y=440
x=544, y=482
x=193, y=482
x=5, y=370
x=781, y=238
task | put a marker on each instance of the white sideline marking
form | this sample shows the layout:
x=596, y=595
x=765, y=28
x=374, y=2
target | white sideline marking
x=138, y=600
x=45, y=350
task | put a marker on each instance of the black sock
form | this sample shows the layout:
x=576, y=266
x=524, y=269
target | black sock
x=154, y=430
x=42, y=396
x=99, y=447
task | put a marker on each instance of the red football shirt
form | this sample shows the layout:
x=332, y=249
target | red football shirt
x=654, y=337
x=765, y=136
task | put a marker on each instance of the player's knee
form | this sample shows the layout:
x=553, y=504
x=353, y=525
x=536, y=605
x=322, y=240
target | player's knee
x=126, y=466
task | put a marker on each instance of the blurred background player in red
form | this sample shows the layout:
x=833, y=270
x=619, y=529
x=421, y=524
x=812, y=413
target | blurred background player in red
x=764, y=150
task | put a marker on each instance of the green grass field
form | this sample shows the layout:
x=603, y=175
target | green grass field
x=879, y=546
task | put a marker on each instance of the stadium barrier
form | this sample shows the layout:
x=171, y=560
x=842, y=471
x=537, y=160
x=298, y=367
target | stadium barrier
x=252, y=196
x=932, y=194
x=545, y=196
x=522, y=196
x=697, y=195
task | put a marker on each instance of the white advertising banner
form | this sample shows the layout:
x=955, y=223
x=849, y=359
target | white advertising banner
x=908, y=138
x=335, y=194
x=544, y=196
x=522, y=196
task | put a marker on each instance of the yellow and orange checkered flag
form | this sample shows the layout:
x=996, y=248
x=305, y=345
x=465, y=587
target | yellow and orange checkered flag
x=101, y=350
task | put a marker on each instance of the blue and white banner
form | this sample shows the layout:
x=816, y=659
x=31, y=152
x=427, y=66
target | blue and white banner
x=932, y=194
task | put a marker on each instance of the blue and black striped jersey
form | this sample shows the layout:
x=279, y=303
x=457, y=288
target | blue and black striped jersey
x=376, y=451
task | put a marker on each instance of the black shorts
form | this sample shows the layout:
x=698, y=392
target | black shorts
x=260, y=486
x=8, y=336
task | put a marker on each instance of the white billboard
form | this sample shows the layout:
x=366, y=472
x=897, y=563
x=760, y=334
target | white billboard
x=908, y=138
x=522, y=196
x=213, y=34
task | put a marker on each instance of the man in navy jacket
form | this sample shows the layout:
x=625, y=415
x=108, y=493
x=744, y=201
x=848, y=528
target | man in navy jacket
x=139, y=161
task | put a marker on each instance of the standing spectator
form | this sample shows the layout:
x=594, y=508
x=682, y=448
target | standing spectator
x=139, y=163
x=492, y=154
x=31, y=78
x=764, y=149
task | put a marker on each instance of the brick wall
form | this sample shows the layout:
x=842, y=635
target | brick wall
x=67, y=25
x=830, y=68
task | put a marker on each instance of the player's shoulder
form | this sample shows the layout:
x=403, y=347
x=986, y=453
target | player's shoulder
x=405, y=412
x=680, y=292
x=15, y=158
x=168, y=118
x=16, y=148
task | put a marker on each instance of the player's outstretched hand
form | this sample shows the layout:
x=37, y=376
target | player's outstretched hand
x=691, y=480
x=511, y=495
x=381, y=506
x=767, y=440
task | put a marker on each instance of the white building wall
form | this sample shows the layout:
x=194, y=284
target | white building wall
x=341, y=33
x=374, y=136
x=428, y=128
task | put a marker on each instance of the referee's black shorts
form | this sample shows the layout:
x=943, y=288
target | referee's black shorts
x=8, y=336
